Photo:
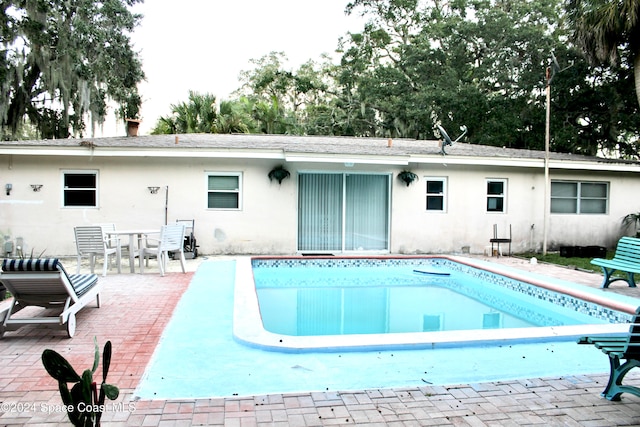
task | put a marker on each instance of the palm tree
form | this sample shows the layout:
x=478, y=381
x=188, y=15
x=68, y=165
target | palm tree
x=234, y=117
x=603, y=27
x=197, y=115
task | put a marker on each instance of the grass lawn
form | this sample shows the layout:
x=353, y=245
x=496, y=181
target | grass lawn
x=555, y=258
x=573, y=262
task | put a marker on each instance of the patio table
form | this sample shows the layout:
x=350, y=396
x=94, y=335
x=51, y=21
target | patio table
x=134, y=234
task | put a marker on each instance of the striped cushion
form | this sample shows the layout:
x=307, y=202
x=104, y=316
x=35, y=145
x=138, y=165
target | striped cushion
x=83, y=282
x=40, y=264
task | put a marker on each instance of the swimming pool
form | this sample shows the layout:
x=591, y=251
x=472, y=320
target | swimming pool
x=199, y=357
x=561, y=310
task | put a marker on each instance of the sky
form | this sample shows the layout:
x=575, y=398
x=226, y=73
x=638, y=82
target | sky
x=203, y=45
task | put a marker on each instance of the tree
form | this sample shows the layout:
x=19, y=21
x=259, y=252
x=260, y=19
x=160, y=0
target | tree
x=284, y=98
x=604, y=28
x=482, y=63
x=478, y=63
x=62, y=61
x=196, y=115
x=201, y=114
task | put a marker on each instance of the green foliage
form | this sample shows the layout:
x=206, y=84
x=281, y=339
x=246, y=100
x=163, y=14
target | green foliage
x=572, y=262
x=479, y=63
x=200, y=115
x=21, y=254
x=61, y=61
x=407, y=177
x=278, y=173
x=555, y=258
x=84, y=405
x=418, y=64
x=608, y=33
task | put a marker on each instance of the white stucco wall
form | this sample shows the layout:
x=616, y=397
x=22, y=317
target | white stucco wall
x=267, y=221
x=265, y=224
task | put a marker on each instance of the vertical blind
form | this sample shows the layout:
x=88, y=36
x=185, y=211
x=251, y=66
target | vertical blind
x=320, y=212
x=343, y=212
x=366, y=212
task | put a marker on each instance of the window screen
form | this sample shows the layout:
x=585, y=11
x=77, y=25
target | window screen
x=223, y=192
x=579, y=197
x=496, y=195
x=436, y=194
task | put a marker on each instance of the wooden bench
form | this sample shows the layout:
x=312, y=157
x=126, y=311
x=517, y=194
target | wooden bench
x=619, y=347
x=625, y=260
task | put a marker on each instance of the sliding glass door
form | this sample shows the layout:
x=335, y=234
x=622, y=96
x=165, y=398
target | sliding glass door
x=343, y=212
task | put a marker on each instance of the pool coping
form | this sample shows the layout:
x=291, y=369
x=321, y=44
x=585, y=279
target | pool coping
x=247, y=323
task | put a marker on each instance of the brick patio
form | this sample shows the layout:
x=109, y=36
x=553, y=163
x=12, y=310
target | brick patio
x=137, y=307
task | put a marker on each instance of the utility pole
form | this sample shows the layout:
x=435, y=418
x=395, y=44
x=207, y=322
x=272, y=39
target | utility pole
x=547, y=181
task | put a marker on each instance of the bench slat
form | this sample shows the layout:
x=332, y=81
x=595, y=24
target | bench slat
x=625, y=260
x=618, y=347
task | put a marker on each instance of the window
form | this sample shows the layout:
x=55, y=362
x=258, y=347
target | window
x=223, y=191
x=579, y=197
x=496, y=195
x=80, y=189
x=436, y=197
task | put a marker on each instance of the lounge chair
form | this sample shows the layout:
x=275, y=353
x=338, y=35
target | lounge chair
x=45, y=283
x=171, y=240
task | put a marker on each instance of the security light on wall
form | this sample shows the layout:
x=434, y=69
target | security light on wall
x=36, y=187
x=153, y=190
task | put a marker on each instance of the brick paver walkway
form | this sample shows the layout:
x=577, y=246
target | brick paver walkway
x=137, y=307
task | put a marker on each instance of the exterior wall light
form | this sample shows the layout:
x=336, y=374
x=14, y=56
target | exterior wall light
x=153, y=190
x=36, y=187
x=8, y=187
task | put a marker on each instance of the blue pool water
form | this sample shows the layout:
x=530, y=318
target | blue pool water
x=315, y=299
x=198, y=357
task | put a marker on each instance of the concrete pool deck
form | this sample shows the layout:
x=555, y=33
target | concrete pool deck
x=136, y=308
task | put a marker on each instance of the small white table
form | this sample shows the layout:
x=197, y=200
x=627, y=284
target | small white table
x=134, y=234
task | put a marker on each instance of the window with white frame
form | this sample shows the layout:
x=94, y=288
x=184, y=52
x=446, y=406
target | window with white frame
x=496, y=195
x=436, y=194
x=223, y=190
x=576, y=197
x=80, y=189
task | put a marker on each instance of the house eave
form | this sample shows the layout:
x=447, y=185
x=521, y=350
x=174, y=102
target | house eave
x=152, y=152
x=311, y=156
x=276, y=154
x=528, y=163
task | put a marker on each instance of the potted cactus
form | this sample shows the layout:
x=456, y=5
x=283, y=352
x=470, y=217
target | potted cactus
x=85, y=404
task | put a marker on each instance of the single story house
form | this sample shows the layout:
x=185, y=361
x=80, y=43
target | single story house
x=342, y=194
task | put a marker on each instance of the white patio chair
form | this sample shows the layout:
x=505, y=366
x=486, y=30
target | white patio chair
x=114, y=241
x=91, y=242
x=171, y=240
